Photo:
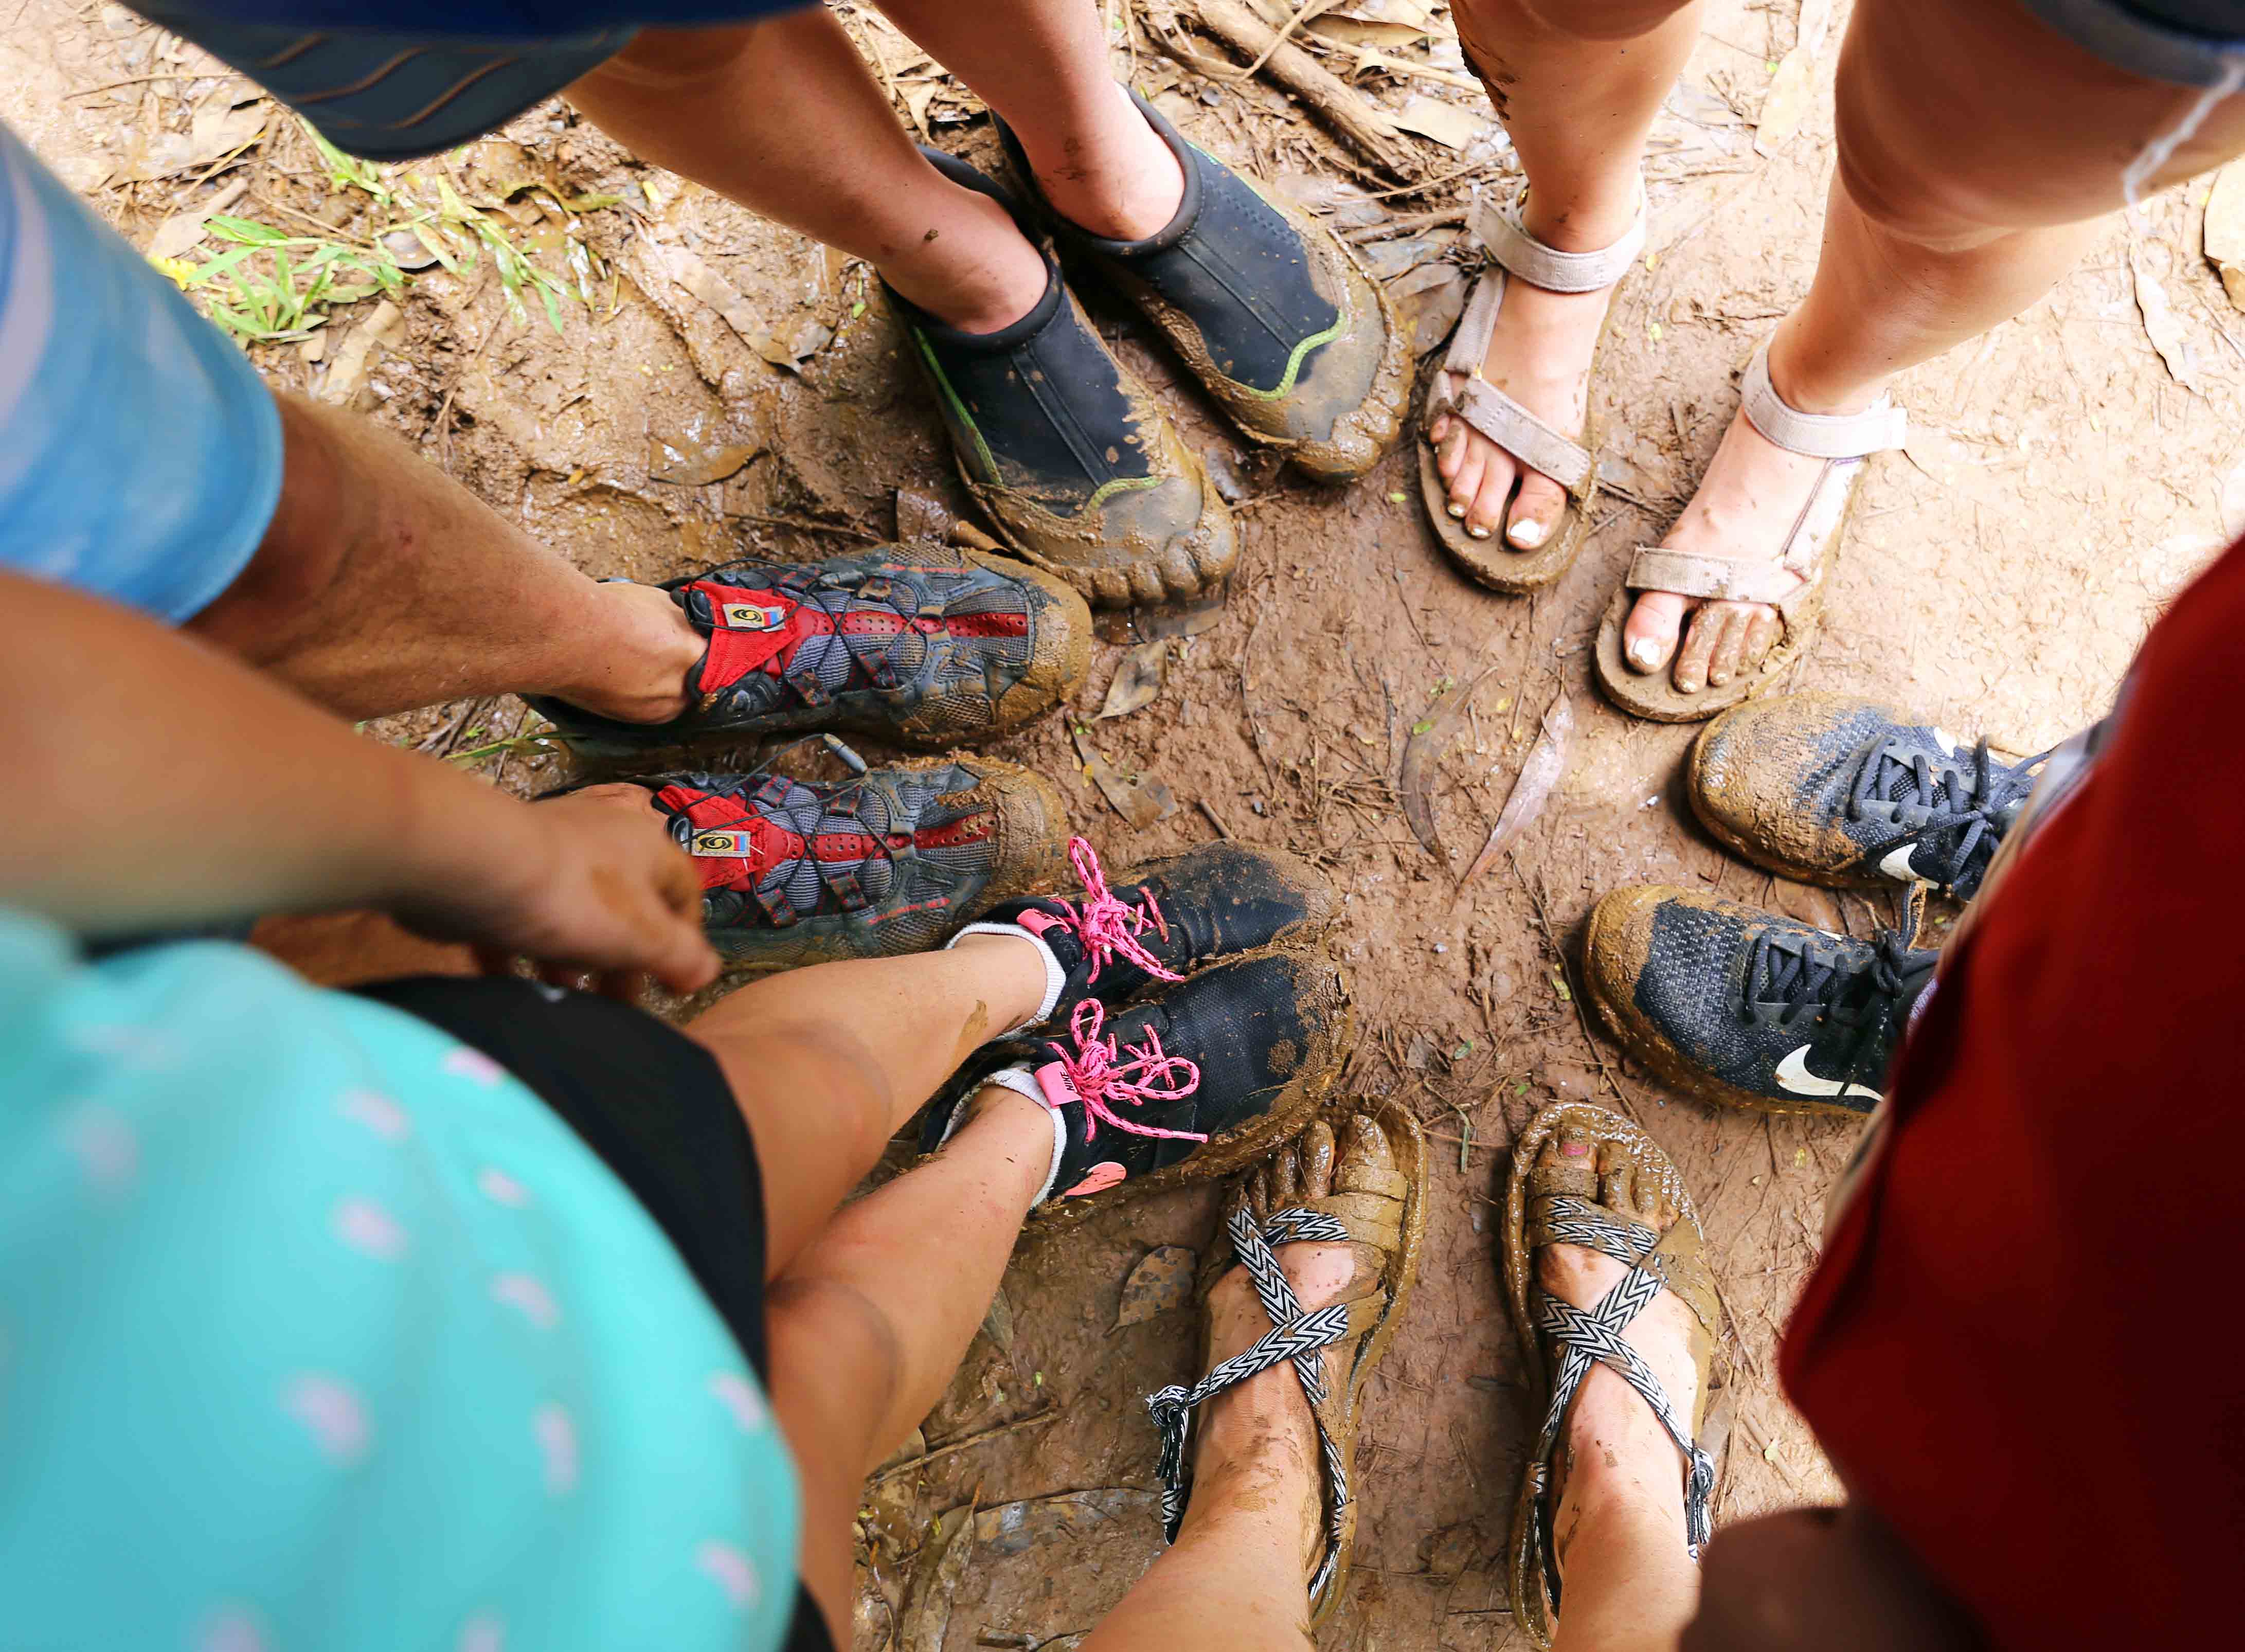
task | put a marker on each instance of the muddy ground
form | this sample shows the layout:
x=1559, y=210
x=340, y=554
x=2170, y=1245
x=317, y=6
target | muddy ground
x=2063, y=484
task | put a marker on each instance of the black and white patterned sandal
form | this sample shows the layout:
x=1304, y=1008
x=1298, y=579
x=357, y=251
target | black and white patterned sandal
x=1793, y=584
x=1573, y=462
x=1375, y=1157
x=1559, y=1204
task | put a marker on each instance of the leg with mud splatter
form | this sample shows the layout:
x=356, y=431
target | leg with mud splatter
x=1960, y=197
x=1577, y=86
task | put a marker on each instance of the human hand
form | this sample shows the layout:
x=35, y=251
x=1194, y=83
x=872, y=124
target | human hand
x=592, y=885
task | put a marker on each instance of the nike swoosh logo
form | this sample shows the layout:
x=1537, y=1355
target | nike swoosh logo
x=1792, y=1074
x=1896, y=864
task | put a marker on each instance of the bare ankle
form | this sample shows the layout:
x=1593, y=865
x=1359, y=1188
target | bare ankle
x=973, y=270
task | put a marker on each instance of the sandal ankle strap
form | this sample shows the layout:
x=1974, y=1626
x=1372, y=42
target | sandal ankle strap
x=1519, y=253
x=1820, y=436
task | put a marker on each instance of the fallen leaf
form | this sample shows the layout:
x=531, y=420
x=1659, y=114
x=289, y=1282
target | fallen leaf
x=1428, y=300
x=1450, y=124
x=1810, y=26
x=726, y=300
x=998, y=1323
x=2161, y=325
x=2225, y=229
x=383, y=326
x=1531, y=787
x=921, y=516
x=216, y=133
x=690, y=464
x=1138, y=680
x=1181, y=620
x=1160, y=1281
x=1787, y=101
x=1140, y=799
x=1012, y=1528
x=935, y=1580
x=182, y=230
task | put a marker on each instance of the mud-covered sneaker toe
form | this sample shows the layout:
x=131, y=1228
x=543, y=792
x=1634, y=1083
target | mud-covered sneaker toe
x=1746, y=1008
x=1066, y=451
x=1163, y=919
x=797, y=872
x=1838, y=791
x=919, y=644
x=1267, y=307
x=1205, y=1077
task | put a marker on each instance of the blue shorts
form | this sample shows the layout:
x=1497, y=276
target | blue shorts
x=140, y=452
x=2186, y=43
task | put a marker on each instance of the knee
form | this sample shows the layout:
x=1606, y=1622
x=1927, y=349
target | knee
x=304, y=550
x=813, y=1325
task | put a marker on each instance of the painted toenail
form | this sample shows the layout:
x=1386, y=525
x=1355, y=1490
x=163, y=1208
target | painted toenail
x=1475, y=532
x=1527, y=534
x=1574, y=1149
x=1457, y=512
x=1646, y=653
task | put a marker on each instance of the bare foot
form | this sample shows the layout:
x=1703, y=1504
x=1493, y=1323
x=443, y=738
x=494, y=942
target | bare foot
x=1539, y=355
x=1257, y=1439
x=1748, y=503
x=1613, y=1452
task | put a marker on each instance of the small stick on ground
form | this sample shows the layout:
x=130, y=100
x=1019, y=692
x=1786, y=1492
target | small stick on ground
x=1035, y=1419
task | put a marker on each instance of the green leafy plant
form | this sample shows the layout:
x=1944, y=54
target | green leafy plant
x=272, y=286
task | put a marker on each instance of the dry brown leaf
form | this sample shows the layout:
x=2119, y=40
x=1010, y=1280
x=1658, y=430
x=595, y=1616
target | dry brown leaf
x=1531, y=787
x=1138, y=680
x=1161, y=1280
x=1140, y=799
x=721, y=295
x=1011, y=1528
x=182, y=230
x=216, y=132
x=2161, y=325
x=935, y=1580
x=381, y=327
x=2225, y=229
x=998, y=1323
x=1428, y=300
x=1449, y=124
x=693, y=465
x=1787, y=102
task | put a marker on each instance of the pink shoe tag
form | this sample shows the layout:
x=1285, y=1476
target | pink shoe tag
x=1051, y=1079
x=1102, y=1177
x=1037, y=923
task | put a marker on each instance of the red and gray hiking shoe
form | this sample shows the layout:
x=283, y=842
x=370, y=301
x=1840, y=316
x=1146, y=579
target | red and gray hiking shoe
x=919, y=644
x=797, y=872
x=1210, y=1075
x=1164, y=919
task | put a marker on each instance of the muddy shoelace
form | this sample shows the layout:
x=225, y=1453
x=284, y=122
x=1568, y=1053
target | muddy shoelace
x=1805, y=978
x=1108, y=926
x=1971, y=804
x=1104, y=1071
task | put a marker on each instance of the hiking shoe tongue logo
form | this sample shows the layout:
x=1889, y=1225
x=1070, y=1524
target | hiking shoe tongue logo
x=1792, y=1074
x=1896, y=864
x=751, y=616
x=725, y=845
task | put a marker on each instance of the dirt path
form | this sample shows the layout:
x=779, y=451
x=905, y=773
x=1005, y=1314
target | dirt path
x=2062, y=486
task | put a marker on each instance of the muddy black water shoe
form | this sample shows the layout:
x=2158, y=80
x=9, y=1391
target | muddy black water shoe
x=1749, y=1009
x=1844, y=791
x=1206, y=1077
x=1265, y=307
x=1066, y=452
x=797, y=872
x=919, y=644
x=1163, y=919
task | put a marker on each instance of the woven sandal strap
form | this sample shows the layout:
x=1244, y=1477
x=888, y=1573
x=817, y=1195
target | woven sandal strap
x=1594, y=1336
x=1564, y=1219
x=1295, y=1336
x=1498, y=229
x=1520, y=433
x=1820, y=436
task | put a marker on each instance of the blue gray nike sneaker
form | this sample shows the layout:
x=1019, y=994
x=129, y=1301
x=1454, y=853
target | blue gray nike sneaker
x=1749, y=1009
x=1836, y=790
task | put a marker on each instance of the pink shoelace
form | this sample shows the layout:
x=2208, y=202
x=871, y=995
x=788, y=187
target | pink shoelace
x=1108, y=925
x=1104, y=1072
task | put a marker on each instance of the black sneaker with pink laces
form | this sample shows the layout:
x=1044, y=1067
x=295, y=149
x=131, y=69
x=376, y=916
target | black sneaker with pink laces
x=1161, y=920
x=1196, y=1080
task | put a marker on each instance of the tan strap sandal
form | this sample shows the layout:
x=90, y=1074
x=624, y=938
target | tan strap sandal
x=1546, y=1205
x=1569, y=461
x=1793, y=584
x=1378, y=1208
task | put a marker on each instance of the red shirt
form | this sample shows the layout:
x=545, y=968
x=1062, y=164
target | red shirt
x=2026, y=1343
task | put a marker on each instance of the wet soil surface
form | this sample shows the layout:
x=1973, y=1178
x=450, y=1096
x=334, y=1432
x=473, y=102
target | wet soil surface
x=2062, y=485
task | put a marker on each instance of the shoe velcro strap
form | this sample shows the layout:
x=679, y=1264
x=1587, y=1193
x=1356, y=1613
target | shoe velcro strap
x=1528, y=438
x=1683, y=573
x=1820, y=436
x=1514, y=249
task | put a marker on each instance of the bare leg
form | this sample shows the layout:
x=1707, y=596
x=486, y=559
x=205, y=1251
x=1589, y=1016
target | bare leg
x=782, y=116
x=1961, y=197
x=383, y=584
x=1577, y=87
